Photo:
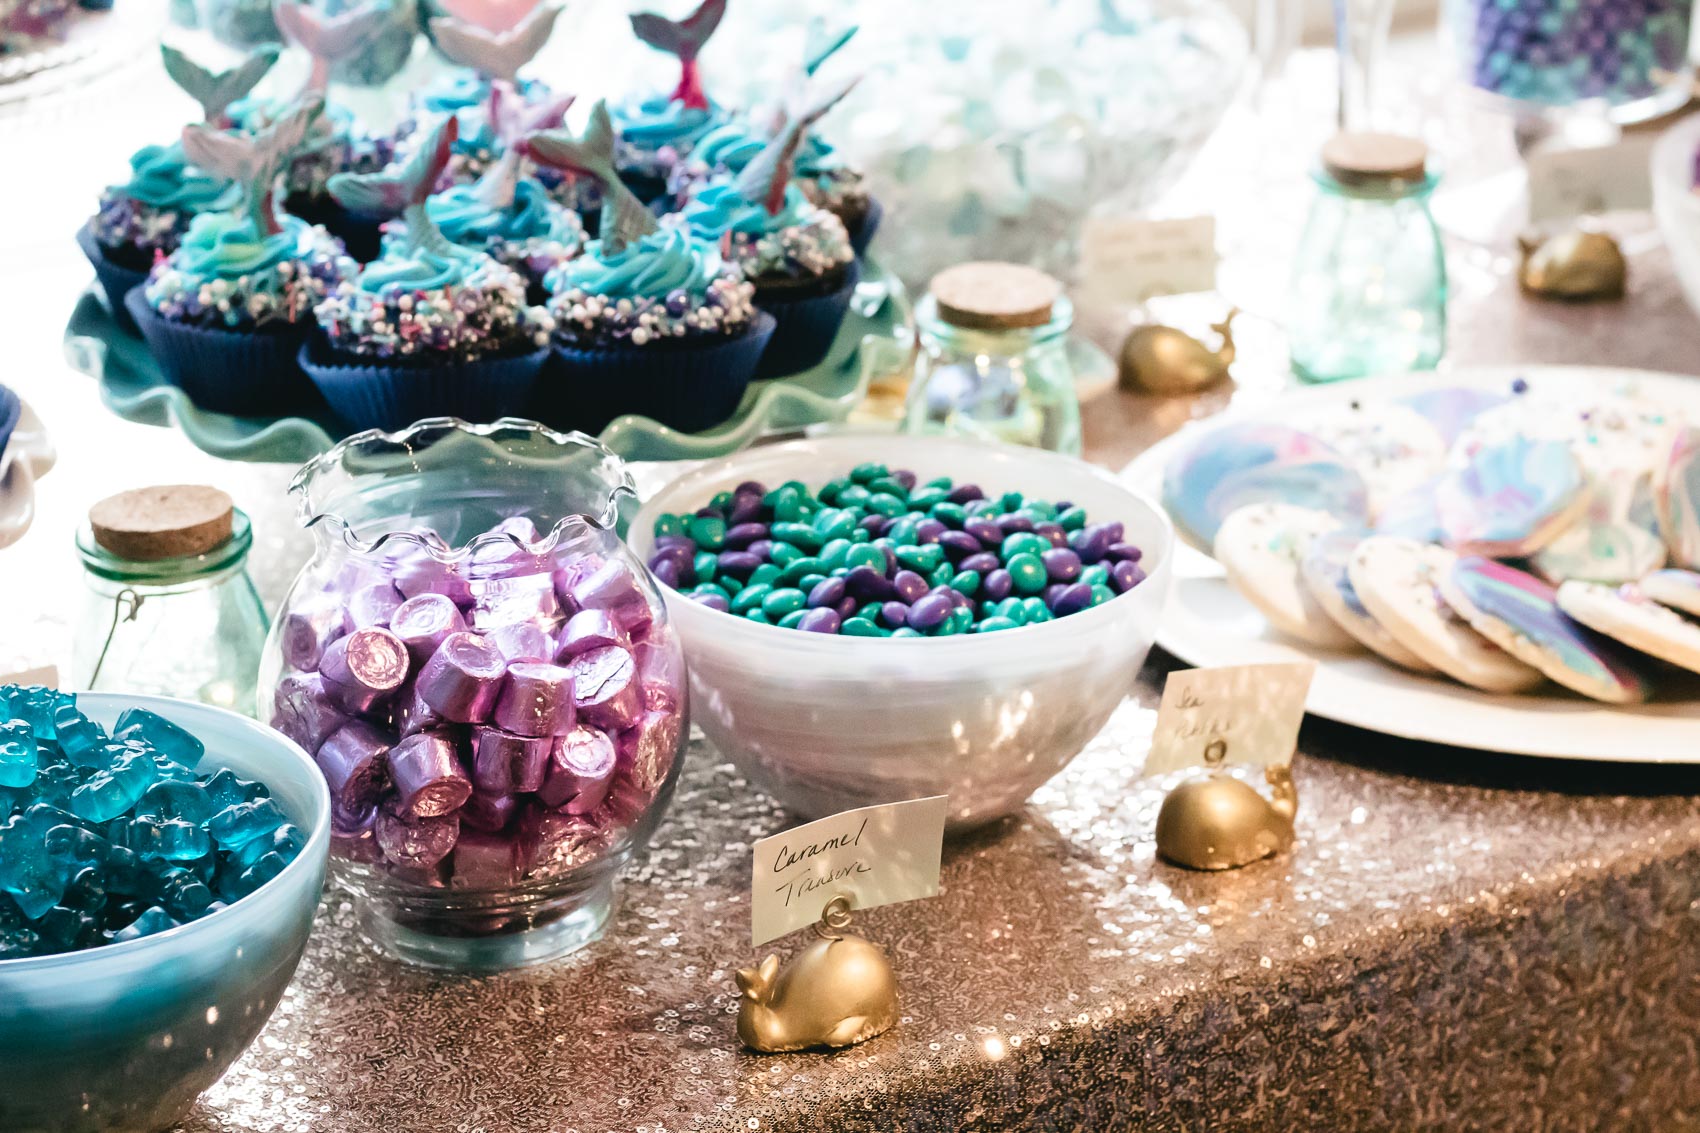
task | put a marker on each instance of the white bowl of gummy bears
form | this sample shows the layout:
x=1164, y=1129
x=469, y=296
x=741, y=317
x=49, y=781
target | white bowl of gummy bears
x=149, y=923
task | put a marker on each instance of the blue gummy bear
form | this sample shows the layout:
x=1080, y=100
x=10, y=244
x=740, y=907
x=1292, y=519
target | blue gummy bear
x=160, y=734
x=286, y=840
x=182, y=894
x=225, y=789
x=54, y=783
x=154, y=920
x=83, y=858
x=67, y=928
x=37, y=704
x=18, y=937
x=167, y=768
x=80, y=738
x=233, y=885
x=240, y=824
x=113, y=790
x=27, y=871
x=170, y=822
x=18, y=755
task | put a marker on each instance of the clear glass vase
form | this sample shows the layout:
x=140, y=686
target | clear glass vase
x=461, y=574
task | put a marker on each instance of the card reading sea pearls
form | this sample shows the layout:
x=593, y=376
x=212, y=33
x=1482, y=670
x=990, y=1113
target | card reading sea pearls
x=1253, y=711
x=877, y=855
x=1131, y=259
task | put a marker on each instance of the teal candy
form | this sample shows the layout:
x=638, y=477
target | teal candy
x=949, y=514
x=905, y=631
x=757, y=615
x=1023, y=542
x=966, y=583
x=226, y=789
x=1101, y=594
x=154, y=920
x=994, y=624
x=111, y=791
x=160, y=734
x=661, y=262
x=27, y=871
x=860, y=627
x=785, y=553
x=19, y=764
x=704, y=565
x=708, y=531
x=887, y=505
x=1035, y=610
x=750, y=598
x=169, y=822
x=1096, y=575
x=866, y=473
x=779, y=603
x=669, y=525
x=922, y=560
x=765, y=574
x=792, y=620
x=865, y=555
x=941, y=575
x=236, y=825
x=800, y=569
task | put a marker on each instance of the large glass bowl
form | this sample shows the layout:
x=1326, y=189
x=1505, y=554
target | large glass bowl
x=123, y=1038
x=515, y=525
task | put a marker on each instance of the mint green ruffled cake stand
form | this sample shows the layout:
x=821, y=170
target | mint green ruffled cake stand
x=874, y=339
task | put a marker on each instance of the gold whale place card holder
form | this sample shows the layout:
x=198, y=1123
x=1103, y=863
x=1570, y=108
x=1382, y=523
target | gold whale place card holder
x=840, y=989
x=1212, y=718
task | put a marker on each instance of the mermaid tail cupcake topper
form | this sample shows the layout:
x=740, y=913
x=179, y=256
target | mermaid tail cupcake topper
x=328, y=39
x=821, y=44
x=491, y=15
x=402, y=192
x=766, y=176
x=253, y=161
x=625, y=220
x=514, y=119
x=216, y=90
x=683, y=39
x=495, y=54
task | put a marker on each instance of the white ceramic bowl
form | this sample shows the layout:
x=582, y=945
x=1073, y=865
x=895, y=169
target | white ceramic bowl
x=826, y=723
x=1676, y=205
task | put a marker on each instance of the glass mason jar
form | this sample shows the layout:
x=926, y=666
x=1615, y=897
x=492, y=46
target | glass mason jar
x=190, y=627
x=998, y=375
x=1368, y=290
x=487, y=678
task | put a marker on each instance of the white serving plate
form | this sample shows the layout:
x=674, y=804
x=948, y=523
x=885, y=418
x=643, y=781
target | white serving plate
x=1207, y=623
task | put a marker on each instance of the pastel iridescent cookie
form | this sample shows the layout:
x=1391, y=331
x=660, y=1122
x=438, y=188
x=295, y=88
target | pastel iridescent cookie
x=1260, y=547
x=1453, y=409
x=1678, y=495
x=1258, y=462
x=1509, y=497
x=1393, y=447
x=1324, y=570
x=1397, y=581
x=1625, y=614
x=1678, y=589
x=1412, y=514
x=1519, y=613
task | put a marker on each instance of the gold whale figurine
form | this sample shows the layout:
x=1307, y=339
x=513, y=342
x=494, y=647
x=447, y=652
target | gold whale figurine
x=1219, y=822
x=1575, y=265
x=838, y=991
x=1161, y=359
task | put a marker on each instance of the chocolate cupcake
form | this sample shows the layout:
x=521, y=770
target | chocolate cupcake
x=656, y=132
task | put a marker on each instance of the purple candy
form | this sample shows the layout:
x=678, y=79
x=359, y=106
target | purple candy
x=965, y=493
x=304, y=711
x=428, y=777
x=1113, y=531
x=1123, y=552
x=823, y=620
x=909, y=585
x=352, y=759
x=590, y=629
x=1012, y=523
x=738, y=564
x=604, y=686
x=865, y=584
x=985, y=562
x=846, y=608
x=424, y=622
x=1125, y=575
x=417, y=843
x=959, y=545
x=503, y=762
x=421, y=574
x=363, y=668
x=871, y=523
x=742, y=535
x=510, y=601
x=661, y=674
x=1049, y=594
x=667, y=572
x=307, y=632
x=522, y=641
x=1061, y=564
x=995, y=587
x=761, y=549
x=373, y=605
x=681, y=557
x=1072, y=599
x=675, y=543
x=930, y=612
x=410, y=715
x=552, y=843
x=894, y=614
x=581, y=766
x=352, y=822
x=461, y=680
x=983, y=531
x=713, y=601
x=611, y=587
x=488, y=813
x=1053, y=532
x=906, y=478
x=1090, y=543
x=929, y=530
x=536, y=700
x=827, y=592
x=484, y=861
x=746, y=508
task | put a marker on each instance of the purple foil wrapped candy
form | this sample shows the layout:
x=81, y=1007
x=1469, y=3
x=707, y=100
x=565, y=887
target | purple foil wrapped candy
x=488, y=813
x=410, y=715
x=373, y=605
x=536, y=700
x=646, y=749
x=424, y=622
x=416, y=843
x=591, y=629
x=429, y=780
x=363, y=668
x=522, y=641
x=307, y=632
x=610, y=586
x=462, y=678
x=661, y=674
x=503, y=762
x=509, y=601
x=581, y=765
x=605, y=688
x=552, y=843
x=352, y=761
x=304, y=711
x=485, y=861
x=418, y=573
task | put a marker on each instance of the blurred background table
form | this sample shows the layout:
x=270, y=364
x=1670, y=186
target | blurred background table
x=1458, y=940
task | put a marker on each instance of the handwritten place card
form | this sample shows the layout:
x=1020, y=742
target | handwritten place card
x=1252, y=711
x=878, y=855
x=1131, y=259
x=1565, y=183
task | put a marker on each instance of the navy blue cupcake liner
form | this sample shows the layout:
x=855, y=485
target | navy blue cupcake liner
x=116, y=280
x=690, y=386
x=807, y=326
x=376, y=395
x=242, y=373
x=863, y=234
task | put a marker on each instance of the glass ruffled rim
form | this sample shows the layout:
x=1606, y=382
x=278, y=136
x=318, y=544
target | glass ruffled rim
x=301, y=485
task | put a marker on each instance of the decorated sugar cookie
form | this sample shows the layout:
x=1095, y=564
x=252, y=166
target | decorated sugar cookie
x=1510, y=497
x=1258, y=462
x=1261, y=546
x=1627, y=615
x=1519, y=613
x=1678, y=495
x=1678, y=589
x=1453, y=409
x=1324, y=570
x=1393, y=447
x=1396, y=579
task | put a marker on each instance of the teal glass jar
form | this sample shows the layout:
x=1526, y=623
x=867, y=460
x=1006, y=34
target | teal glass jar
x=1368, y=291
x=190, y=627
x=993, y=362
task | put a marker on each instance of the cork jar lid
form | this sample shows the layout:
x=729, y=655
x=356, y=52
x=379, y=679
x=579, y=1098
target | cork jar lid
x=1365, y=158
x=167, y=522
x=986, y=295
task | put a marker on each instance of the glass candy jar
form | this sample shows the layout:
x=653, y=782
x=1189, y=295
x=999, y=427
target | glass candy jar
x=488, y=681
x=1368, y=293
x=994, y=362
x=169, y=610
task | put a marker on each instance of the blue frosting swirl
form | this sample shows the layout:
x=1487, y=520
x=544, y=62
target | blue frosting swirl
x=466, y=219
x=426, y=269
x=730, y=146
x=161, y=176
x=659, y=120
x=718, y=209
x=667, y=260
x=228, y=245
